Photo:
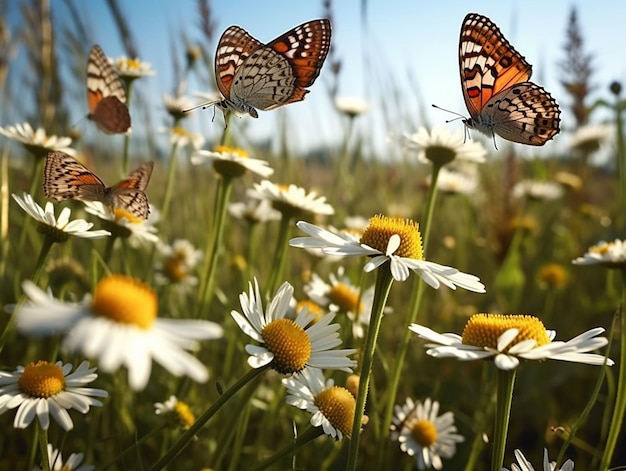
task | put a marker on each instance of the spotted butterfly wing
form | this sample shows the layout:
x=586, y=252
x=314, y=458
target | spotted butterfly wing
x=496, y=87
x=66, y=178
x=252, y=75
x=106, y=97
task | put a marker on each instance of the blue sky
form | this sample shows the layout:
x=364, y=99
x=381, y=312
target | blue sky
x=410, y=44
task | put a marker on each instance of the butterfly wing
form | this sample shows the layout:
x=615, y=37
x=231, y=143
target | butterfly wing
x=106, y=97
x=129, y=194
x=65, y=178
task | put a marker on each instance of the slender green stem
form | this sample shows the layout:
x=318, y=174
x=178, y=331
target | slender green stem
x=383, y=286
x=620, y=401
x=308, y=435
x=35, y=179
x=42, y=437
x=432, y=197
x=280, y=253
x=169, y=186
x=129, y=90
x=192, y=431
x=620, y=153
x=506, y=381
x=343, y=179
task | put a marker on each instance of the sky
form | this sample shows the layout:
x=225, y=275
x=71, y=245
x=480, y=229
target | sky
x=403, y=50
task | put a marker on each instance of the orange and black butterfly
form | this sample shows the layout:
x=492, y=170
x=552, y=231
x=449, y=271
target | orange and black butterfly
x=105, y=95
x=253, y=75
x=496, y=87
x=65, y=178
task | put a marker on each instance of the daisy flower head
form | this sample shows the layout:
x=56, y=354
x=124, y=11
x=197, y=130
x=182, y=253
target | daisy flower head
x=425, y=434
x=289, y=345
x=352, y=106
x=537, y=190
x=178, y=261
x=440, y=146
x=332, y=406
x=46, y=389
x=396, y=241
x=58, y=228
x=178, y=107
x=508, y=339
x=232, y=162
x=37, y=142
x=119, y=326
x=291, y=200
x=131, y=69
x=179, y=409
x=455, y=182
x=123, y=224
x=254, y=211
x=73, y=463
x=591, y=138
x=611, y=254
x=524, y=465
x=181, y=137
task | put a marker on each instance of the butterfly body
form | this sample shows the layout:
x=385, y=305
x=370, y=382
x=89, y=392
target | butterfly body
x=65, y=178
x=252, y=75
x=106, y=96
x=496, y=87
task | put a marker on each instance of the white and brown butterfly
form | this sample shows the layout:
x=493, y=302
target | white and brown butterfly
x=66, y=178
x=106, y=97
x=252, y=75
x=496, y=87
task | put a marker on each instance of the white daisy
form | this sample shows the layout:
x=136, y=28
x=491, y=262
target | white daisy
x=178, y=107
x=425, y=434
x=73, y=463
x=178, y=409
x=612, y=254
x=291, y=199
x=131, y=69
x=332, y=406
x=254, y=210
x=441, y=146
x=42, y=389
x=177, y=264
x=397, y=241
x=592, y=137
x=289, y=345
x=511, y=338
x=538, y=190
x=182, y=137
x=453, y=181
x=352, y=106
x=119, y=326
x=38, y=142
x=60, y=228
x=139, y=232
x=232, y=162
x=524, y=465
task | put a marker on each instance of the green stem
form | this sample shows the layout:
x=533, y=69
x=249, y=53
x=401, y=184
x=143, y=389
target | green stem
x=35, y=183
x=192, y=431
x=383, y=286
x=129, y=90
x=620, y=401
x=309, y=434
x=42, y=437
x=506, y=381
x=279, y=255
x=171, y=175
x=621, y=153
x=343, y=177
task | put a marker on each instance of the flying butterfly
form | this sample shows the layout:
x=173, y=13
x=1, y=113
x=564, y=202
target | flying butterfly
x=251, y=75
x=496, y=87
x=106, y=97
x=65, y=178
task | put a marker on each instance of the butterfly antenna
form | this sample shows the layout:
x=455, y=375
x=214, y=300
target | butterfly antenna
x=458, y=115
x=204, y=106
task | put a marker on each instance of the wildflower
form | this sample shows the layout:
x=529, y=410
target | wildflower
x=179, y=260
x=289, y=345
x=73, y=463
x=552, y=275
x=612, y=254
x=118, y=325
x=332, y=406
x=537, y=190
x=180, y=409
x=254, y=211
x=569, y=180
x=394, y=240
x=452, y=181
x=180, y=137
x=42, y=389
x=509, y=338
x=524, y=465
x=38, y=142
x=177, y=106
x=123, y=224
x=425, y=434
x=441, y=147
x=591, y=138
x=292, y=199
x=131, y=69
x=61, y=228
x=352, y=106
x=232, y=162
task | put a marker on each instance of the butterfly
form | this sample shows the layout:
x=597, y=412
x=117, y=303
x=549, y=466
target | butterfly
x=65, y=178
x=105, y=95
x=496, y=88
x=253, y=75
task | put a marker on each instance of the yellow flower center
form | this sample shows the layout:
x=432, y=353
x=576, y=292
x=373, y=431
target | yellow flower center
x=122, y=213
x=338, y=406
x=439, y=154
x=131, y=64
x=602, y=248
x=289, y=343
x=553, y=275
x=313, y=308
x=345, y=297
x=174, y=269
x=125, y=300
x=232, y=150
x=424, y=432
x=381, y=228
x=42, y=379
x=184, y=414
x=483, y=330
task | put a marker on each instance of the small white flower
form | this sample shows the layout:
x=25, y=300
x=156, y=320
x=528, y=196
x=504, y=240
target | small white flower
x=282, y=338
x=177, y=106
x=606, y=253
x=182, y=137
x=38, y=141
x=291, y=198
x=254, y=210
x=138, y=231
x=177, y=264
x=440, y=143
x=452, y=181
x=524, y=465
x=73, y=463
x=66, y=228
x=538, y=190
x=130, y=69
x=43, y=389
x=166, y=407
x=591, y=137
x=232, y=160
x=352, y=106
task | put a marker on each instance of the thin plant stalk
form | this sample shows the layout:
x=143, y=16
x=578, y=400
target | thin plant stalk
x=42, y=438
x=506, y=381
x=280, y=254
x=169, y=186
x=125, y=158
x=307, y=436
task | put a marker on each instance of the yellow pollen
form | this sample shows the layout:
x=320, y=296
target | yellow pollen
x=602, y=248
x=345, y=297
x=174, y=269
x=180, y=131
x=313, y=308
x=483, y=330
x=184, y=414
x=125, y=300
x=42, y=379
x=122, y=213
x=424, y=432
x=381, y=228
x=232, y=150
x=130, y=64
x=553, y=275
x=289, y=343
x=338, y=406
